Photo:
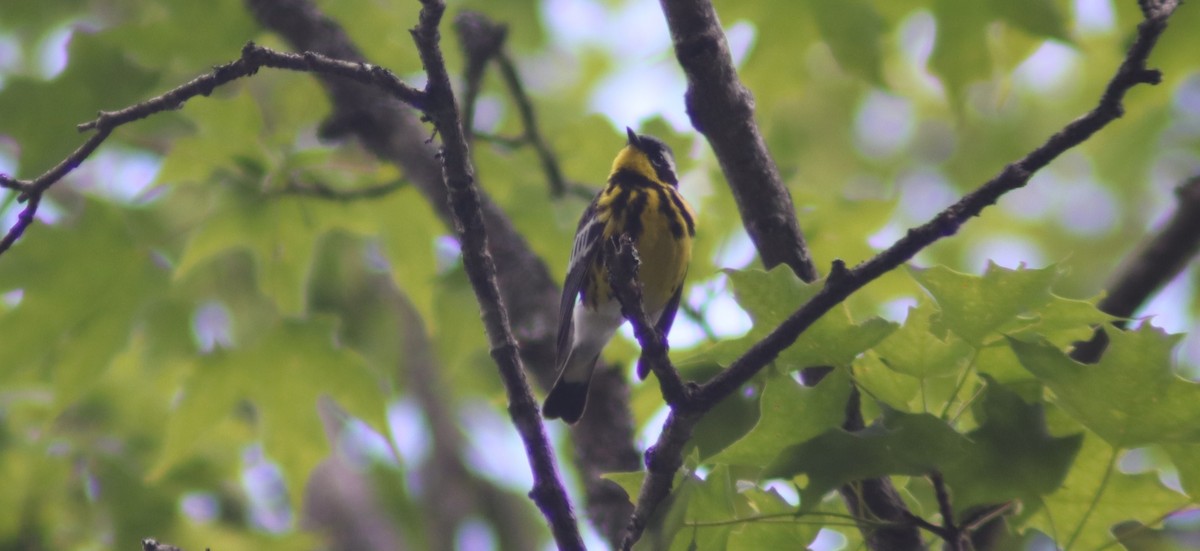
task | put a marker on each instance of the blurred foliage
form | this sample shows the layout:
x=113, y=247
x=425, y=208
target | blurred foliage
x=168, y=326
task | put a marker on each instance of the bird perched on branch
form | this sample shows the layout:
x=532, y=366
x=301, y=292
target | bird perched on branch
x=642, y=200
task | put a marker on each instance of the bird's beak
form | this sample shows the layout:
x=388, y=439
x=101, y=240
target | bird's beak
x=633, y=138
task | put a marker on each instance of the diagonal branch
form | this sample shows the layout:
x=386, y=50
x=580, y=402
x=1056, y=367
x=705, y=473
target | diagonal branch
x=253, y=58
x=842, y=282
x=548, y=491
x=1149, y=268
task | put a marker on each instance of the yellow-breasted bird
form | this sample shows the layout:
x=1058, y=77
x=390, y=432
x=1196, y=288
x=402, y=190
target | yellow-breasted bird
x=641, y=199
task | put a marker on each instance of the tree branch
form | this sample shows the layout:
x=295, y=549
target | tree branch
x=1149, y=268
x=548, y=492
x=622, y=261
x=603, y=439
x=483, y=41
x=151, y=544
x=453, y=492
x=253, y=58
x=437, y=100
x=722, y=109
x=842, y=282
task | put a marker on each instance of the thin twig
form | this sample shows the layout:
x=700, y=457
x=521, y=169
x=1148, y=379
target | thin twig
x=927, y=526
x=507, y=142
x=953, y=537
x=34, y=189
x=516, y=88
x=842, y=282
x=548, y=492
x=697, y=316
x=150, y=544
x=790, y=517
x=325, y=191
x=24, y=220
x=988, y=514
x=9, y=182
x=253, y=58
x=481, y=40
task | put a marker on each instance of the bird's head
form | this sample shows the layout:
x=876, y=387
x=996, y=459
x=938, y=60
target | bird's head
x=649, y=157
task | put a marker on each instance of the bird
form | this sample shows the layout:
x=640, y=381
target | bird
x=642, y=200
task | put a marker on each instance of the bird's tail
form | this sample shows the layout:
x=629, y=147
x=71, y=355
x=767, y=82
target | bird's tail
x=568, y=397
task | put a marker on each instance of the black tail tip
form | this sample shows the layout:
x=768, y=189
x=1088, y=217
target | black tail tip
x=566, y=401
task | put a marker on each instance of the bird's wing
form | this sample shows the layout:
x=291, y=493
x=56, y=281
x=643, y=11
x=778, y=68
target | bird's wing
x=583, y=254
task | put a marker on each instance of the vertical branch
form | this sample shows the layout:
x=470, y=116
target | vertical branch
x=548, y=492
x=481, y=40
x=603, y=439
x=722, y=109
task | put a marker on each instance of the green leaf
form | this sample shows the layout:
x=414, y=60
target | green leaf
x=407, y=229
x=891, y=388
x=280, y=232
x=1064, y=322
x=155, y=39
x=75, y=316
x=1096, y=496
x=33, y=16
x=1014, y=455
x=282, y=375
x=41, y=115
x=1037, y=17
x=668, y=519
x=1186, y=458
x=1002, y=364
x=725, y=424
x=904, y=444
x=834, y=340
x=1135, y=536
x=1010, y=455
x=228, y=128
x=631, y=482
x=773, y=532
x=715, y=498
x=921, y=349
x=975, y=308
x=1131, y=397
x=852, y=29
x=960, y=52
x=791, y=414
